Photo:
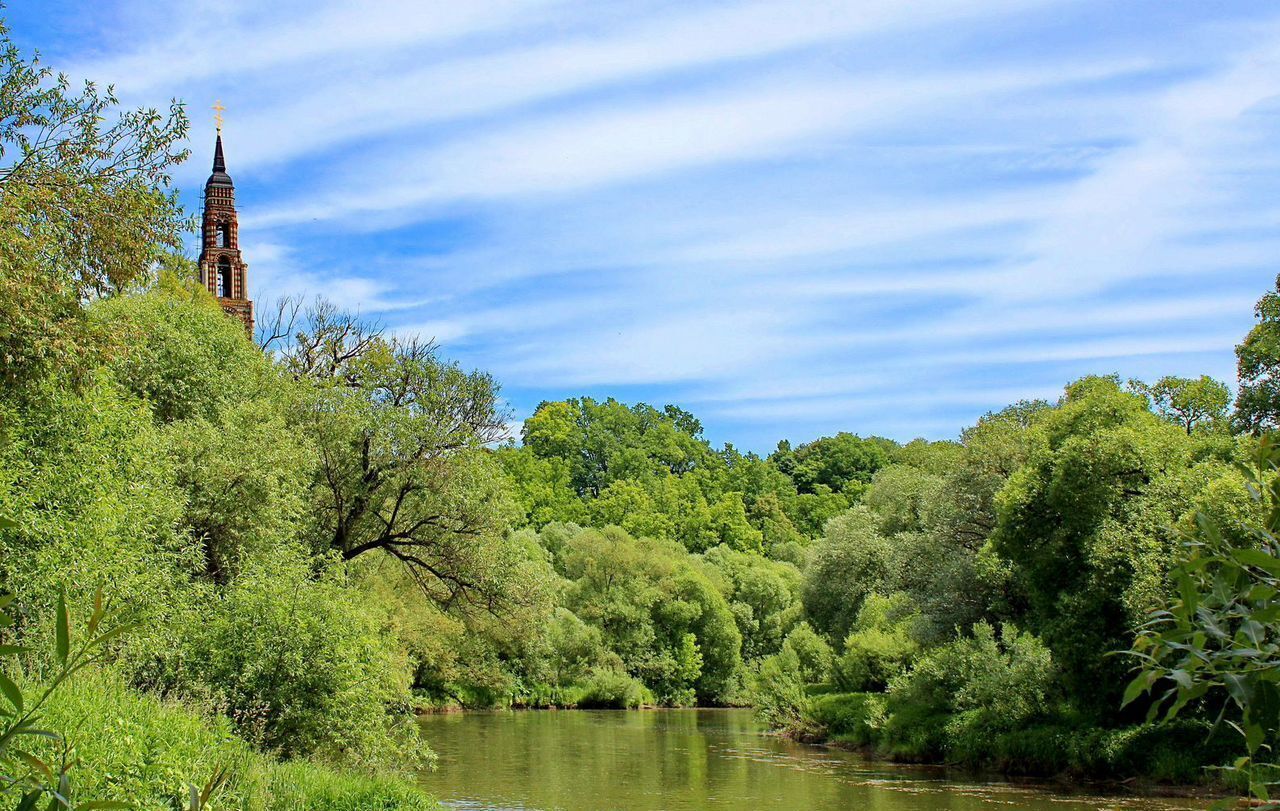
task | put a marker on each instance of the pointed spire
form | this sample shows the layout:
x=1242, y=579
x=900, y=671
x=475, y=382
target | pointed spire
x=219, y=176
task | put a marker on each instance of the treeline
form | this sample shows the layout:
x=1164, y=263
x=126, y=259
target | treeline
x=963, y=602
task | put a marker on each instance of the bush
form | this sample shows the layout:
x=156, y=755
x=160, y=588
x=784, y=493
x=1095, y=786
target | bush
x=850, y=717
x=880, y=646
x=782, y=700
x=958, y=696
x=146, y=750
x=608, y=689
x=302, y=664
x=812, y=653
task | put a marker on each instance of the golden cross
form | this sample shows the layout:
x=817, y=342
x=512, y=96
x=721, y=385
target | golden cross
x=217, y=114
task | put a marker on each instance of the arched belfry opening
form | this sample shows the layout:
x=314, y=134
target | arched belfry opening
x=223, y=287
x=222, y=269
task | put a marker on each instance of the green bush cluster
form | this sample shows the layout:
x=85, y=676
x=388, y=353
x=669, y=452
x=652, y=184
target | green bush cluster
x=148, y=749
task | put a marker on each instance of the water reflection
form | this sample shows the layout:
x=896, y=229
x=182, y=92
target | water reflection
x=692, y=760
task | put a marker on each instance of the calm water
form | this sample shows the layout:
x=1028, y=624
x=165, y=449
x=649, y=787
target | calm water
x=693, y=759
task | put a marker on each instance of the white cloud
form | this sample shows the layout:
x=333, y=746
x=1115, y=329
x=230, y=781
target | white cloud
x=791, y=213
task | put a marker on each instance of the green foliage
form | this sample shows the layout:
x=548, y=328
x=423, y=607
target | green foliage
x=301, y=665
x=1218, y=640
x=179, y=353
x=148, y=750
x=851, y=561
x=670, y=626
x=36, y=763
x=852, y=718
x=880, y=646
x=607, y=442
x=87, y=482
x=969, y=688
x=901, y=496
x=1193, y=403
x=608, y=689
x=781, y=699
x=1258, y=356
x=1087, y=525
x=843, y=463
x=85, y=210
x=763, y=595
x=813, y=654
x=404, y=470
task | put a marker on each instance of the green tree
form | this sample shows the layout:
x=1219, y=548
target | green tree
x=1189, y=402
x=849, y=562
x=901, y=495
x=608, y=441
x=843, y=463
x=1258, y=367
x=812, y=653
x=1217, y=642
x=670, y=626
x=763, y=595
x=302, y=664
x=1086, y=526
x=404, y=470
x=85, y=209
x=881, y=644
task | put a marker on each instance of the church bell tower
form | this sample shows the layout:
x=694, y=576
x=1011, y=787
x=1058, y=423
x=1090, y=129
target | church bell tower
x=222, y=269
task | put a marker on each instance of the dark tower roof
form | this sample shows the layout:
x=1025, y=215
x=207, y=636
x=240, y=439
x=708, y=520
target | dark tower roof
x=219, y=176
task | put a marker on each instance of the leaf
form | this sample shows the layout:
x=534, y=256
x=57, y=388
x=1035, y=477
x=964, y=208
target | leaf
x=103, y=804
x=107, y=636
x=7, y=523
x=96, y=617
x=11, y=691
x=1140, y=684
x=1254, y=735
x=1259, y=559
x=63, y=643
x=37, y=764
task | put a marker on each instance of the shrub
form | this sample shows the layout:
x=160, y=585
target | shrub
x=608, y=689
x=880, y=646
x=959, y=695
x=146, y=750
x=782, y=702
x=812, y=653
x=302, y=664
x=850, y=717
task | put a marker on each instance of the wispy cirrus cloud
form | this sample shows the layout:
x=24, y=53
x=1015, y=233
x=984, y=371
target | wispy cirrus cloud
x=794, y=218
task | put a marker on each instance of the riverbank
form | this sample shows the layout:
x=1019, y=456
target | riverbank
x=1050, y=748
x=146, y=750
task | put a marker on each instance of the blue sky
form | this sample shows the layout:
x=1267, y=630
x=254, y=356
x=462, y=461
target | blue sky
x=791, y=218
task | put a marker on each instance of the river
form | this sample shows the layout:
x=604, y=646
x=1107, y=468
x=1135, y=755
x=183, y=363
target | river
x=696, y=760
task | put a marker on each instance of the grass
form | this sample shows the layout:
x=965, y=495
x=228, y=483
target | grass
x=145, y=750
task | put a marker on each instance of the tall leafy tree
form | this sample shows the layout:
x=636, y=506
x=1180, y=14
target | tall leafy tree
x=86, y=208
x=1086, y=524
x=1258, y=356
x=404, y=467
x=1189, y=402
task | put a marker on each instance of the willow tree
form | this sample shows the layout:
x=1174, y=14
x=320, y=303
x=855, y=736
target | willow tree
x=405, y=468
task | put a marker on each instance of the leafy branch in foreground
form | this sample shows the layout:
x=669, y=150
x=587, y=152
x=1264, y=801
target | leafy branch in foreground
x=22, y=773
x=32, y=779
x=1219, y=639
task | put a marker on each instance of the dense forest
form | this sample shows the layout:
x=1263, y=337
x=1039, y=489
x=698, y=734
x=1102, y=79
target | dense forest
x=245, y=565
